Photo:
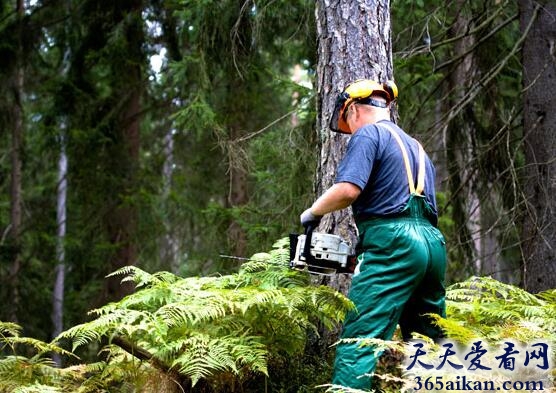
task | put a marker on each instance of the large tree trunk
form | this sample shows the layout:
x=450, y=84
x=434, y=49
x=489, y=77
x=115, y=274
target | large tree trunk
x=461, y=143
x=122, y=221
x=354, y=42
x=539, y=81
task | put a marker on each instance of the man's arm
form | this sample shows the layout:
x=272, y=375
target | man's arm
x=337, y=197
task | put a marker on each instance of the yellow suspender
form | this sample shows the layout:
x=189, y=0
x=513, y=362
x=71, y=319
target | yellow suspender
x=421, y=174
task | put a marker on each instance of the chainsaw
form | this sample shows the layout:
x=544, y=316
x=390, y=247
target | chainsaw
x=321, y=253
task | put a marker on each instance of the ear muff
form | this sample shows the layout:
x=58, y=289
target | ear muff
x=391, y=88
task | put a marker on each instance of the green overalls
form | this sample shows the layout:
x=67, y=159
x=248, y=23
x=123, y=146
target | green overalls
x=399, y=277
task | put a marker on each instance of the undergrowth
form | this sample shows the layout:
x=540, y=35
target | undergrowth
x=249, y=332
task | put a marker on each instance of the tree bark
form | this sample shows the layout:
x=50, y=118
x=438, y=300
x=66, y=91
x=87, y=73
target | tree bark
x=169, y=243
x=539, y=123
x=238, y=195
x=354, y=42
x=122, y=223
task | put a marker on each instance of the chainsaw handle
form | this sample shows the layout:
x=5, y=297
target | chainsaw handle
x=309, y=228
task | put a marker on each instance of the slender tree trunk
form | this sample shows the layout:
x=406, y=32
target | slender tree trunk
x=16, y=175
x=169, y=244
x=58, y=292
x=60, y=270
x=16, y=197
x=238, y=193
x=238, y=125
x=539, y=82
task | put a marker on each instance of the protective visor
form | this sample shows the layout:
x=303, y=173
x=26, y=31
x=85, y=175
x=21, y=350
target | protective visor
x=338, y=120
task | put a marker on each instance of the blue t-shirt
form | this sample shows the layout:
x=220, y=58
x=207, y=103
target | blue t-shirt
x=374, y=162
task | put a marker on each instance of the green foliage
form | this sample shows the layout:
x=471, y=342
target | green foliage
x=203, y=327
x=484, y=307
x=221, y=330
x=26, y=365
x=230, y=329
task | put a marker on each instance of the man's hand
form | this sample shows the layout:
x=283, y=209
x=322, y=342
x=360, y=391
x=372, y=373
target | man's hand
x=308, y=218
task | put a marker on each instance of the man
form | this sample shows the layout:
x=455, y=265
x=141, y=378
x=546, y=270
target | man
x=388, y=180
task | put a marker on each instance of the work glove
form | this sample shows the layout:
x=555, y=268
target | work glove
x=308, y=218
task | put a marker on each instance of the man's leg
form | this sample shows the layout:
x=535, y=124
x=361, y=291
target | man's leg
x=389, y=270
x=429, y=296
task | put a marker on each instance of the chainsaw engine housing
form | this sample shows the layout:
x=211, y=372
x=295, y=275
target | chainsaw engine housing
x=327, y=254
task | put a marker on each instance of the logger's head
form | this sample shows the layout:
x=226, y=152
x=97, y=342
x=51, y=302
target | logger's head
x=365, y=92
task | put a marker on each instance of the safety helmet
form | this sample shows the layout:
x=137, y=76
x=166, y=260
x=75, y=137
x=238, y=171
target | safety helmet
x=361, y=91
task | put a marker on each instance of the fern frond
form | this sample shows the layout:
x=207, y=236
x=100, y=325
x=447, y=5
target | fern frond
x=9, y=329
x=133, y=274
x=148, y=299
x=38, y=388
x=455, y=329
x=491, y=290
x=548, y=296
x=166, y=277
x=39, y=346
x=282, y=244
x=206, y=326
x=278, y=257
x=202, y=357
x=124, y=320
x=86, y=368
x=8, y=364
x=495, y=310
x=188, y=314
x=281, y=255
x=249, y=352
x=341, y=389
x=378, y=344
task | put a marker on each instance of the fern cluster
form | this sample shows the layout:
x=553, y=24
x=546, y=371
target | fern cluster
x=484, y=307
x=203, y=327
x=223, y=330
x=26, y=366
